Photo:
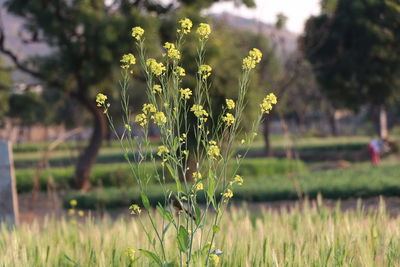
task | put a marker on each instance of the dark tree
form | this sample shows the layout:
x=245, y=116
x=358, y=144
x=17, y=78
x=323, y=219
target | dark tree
x=355, y=53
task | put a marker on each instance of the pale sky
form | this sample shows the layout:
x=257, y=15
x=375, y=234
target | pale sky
x=296, y=10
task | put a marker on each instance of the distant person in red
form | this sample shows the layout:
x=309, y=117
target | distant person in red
x=376, y=147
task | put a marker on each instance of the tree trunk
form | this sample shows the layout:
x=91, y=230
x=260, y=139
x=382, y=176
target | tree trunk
x=286, y=135
x=332, y=122
x=89, y=155
x=383, y=123
x=266, y=126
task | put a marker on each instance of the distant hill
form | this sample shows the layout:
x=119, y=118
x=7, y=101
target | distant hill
x=284, y=41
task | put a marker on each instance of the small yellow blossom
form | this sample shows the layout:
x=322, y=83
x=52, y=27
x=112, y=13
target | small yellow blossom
x=197, y=176
x=162, y=150
x=159, y=118
x=148, y=108
x=186, y=25
x=71, y=211
x=229, y=119
x=213, y=150
x=101, y=99
x=204, y=31
x=268, y=101
x=81, y=213
x=137, y=33
x=172, y=52
x=141, y=119
x=238, y=179
x=128, y=127
x=242, y=141
x=199, y=186
x=199, y=112
x=185, y=93
x=214, y=259
x=155, y=67
x=230, y=104
x=135, y=209
x=252, y=59
x=157, y=88
x=255, y=134
x=183, y=137
x=204, y=71
x=228, y=194
x=130, y=253
x=179, y=71
x=73, y=203
x=127, y=60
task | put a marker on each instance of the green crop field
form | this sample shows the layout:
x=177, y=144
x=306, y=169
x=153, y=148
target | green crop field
x=306, y=236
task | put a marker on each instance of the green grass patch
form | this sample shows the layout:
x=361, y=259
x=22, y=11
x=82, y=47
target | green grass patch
x=120, y=175
x=361, y=181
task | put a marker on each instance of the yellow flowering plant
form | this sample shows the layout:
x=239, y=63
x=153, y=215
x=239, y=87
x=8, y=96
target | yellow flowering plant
x=212, y=146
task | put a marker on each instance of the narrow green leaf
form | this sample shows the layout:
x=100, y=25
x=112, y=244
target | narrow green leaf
x=198, y=213
x=151, y=256
x=145, y=201
x=183, y=239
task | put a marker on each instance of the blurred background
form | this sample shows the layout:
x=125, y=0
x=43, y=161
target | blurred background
x=333, y=64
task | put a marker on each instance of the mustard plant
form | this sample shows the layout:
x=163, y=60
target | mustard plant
x=213, y=138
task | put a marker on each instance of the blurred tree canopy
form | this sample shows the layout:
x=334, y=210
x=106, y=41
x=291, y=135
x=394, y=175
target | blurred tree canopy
x=355, y=53
x=87, y=38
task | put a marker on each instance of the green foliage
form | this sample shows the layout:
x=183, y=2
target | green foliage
x=119, y=175
x=355, y=52
x=361, y=181
x=5, y=85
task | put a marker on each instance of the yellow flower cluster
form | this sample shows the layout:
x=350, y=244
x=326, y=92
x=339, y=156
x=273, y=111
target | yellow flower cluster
x=162, y=150
x=203, y=31
x=268, y=101
x=229, y=119
x=130, y=253
x=185, y=93
x=199, y=112
x=197, y=176
x=213, y=150
x=228, y=194
x=214, y=259
x=137, y=33
x=252, y=59
x=172, y=52
x=148, y=108
x=101, y=99
x=155, y=67
x=141, y=119
x=159, y=118
x=230, y=104
x=186, y=25
x=237, y=179
x=73, y=203
x=157, y=88
x=199, y=186
x=128, y=127
x=204, y=71
x=135, y=209
x=179, y=71
x=127, y=60
x=183, y=137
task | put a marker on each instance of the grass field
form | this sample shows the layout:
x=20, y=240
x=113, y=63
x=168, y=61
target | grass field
x=306, y=236
x=361, y=180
